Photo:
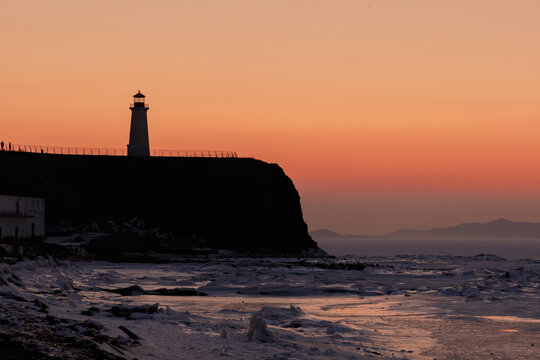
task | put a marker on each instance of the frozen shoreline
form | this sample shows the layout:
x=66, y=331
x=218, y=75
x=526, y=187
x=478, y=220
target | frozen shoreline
x=413, y=307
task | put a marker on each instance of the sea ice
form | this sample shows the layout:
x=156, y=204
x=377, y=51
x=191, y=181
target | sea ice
x=350, y=307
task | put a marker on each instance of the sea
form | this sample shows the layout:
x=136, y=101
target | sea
x=366, y=246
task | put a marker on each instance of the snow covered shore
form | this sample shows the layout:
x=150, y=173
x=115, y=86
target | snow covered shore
x=394, y=307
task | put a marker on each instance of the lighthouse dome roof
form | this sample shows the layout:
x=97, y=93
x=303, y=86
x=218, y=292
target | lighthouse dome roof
x=139, y=95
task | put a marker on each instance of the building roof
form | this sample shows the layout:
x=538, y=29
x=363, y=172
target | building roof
x=138, y=95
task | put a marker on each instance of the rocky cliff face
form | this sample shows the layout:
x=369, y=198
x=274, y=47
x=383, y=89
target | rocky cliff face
x=241, y=204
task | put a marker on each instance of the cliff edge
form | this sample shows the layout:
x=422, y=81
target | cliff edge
x=230, y=203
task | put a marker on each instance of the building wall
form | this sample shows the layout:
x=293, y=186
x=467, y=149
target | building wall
x=19, y=214
x=138, y=133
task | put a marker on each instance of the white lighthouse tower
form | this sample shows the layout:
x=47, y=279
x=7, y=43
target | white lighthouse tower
x=138, y=133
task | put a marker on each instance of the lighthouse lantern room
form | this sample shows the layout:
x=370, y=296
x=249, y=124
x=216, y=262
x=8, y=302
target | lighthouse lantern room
x=138, y=99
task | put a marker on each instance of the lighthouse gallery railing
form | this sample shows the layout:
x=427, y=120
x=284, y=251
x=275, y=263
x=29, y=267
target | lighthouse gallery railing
x=69, y=150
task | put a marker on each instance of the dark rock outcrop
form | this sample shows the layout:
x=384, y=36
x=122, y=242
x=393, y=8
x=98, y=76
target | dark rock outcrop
x=228, y=203
x=137, y=290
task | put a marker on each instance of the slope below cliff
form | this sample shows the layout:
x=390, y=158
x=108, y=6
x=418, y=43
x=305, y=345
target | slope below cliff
x=231, y=203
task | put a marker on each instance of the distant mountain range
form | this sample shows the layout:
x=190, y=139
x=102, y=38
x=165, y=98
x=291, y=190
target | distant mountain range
x=500, y=228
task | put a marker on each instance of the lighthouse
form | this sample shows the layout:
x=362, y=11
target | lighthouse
x=138, y=133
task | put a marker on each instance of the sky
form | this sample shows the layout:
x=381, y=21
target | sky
x=386, y=114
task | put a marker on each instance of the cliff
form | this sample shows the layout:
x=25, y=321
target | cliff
x=230, y=203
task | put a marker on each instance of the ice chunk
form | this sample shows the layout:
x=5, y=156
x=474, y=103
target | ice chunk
x=225, y=331
x=258, y=330
x=277, y=316
x=450, y=291
x=5, y=268
x=127, y=311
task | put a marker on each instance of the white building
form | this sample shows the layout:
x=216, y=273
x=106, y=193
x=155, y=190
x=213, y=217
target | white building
x=21, y=217
x=138, y=132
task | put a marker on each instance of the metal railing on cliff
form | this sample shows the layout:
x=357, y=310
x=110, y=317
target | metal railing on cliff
x=69, y=150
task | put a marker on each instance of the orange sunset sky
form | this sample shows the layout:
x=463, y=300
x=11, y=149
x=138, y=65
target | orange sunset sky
x=386, y=114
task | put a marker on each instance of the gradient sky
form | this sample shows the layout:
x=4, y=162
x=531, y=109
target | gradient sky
x=386, y=114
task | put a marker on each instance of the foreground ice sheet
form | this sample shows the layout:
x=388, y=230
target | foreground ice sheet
x=402, y=307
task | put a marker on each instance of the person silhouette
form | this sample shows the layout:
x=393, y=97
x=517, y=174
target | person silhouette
x=9, y=146
x=2, y=145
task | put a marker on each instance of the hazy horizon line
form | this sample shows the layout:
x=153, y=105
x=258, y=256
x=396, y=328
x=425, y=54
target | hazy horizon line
x=426, y=229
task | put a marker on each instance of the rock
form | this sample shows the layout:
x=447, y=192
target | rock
x=232, y=193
